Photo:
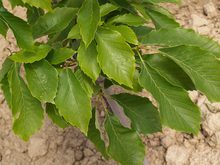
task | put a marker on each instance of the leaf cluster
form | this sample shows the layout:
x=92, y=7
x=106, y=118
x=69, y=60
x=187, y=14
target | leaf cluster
x=94, y=45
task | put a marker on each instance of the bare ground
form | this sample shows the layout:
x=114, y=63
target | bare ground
x=54, y=146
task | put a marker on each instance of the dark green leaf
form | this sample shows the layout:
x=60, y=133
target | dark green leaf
x=170, y=71
x=176, y=109
x=21, y=30
x=3, y=28
x=6, y=90
x=178, y=36
x=202, y=67
x=54, y=21
x=6, y=66
x=53, y=114
x=144, y=116
x=60, y=55
x=125, y=146
x=95, y=136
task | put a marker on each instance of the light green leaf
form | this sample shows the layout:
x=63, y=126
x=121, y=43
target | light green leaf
x=125, y=146
x=27, y=111
x=178, y=36
x=42, y=80
x=168, y=69
x=53, y=114
x=126, y=32
x=115, y=56
x=60, y=55
x=176, y=109
x=87, y=58
x=88, y=20
x=54, y=21
x=6, y=66
x=20, y=28
x=44, y=4
x=144, y=116
x=128, y=19
x=95, y=136
x=76, y=109
x=37, y=53
x=85, y=82
x=201, y=66
x=74, y=32
x=107, y=8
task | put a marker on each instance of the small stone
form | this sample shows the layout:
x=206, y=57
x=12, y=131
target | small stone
x=79, y=155
x=198, y=21
x=177, y=155
x=210, y=9
x=212, y=123
x=88, y=152
x=167, y=141
x=37, y=147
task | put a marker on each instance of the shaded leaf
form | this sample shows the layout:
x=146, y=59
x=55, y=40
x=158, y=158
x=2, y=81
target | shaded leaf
x=144, y=116
x=125, y=146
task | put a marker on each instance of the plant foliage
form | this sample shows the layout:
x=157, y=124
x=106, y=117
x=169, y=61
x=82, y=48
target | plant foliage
x=93, y=45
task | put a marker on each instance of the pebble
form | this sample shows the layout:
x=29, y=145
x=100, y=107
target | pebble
x=37, y=147
x=210, y=10
x=198, y=21
x=78, y=155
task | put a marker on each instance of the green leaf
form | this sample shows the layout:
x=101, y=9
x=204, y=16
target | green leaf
x=54, y=21
x=88, y=20
x=141, y=31
x=44, y=4
x=160, y=19
x=178, y=36
x=60, y=55
x=19, y=27
x=126, y=32
x=37, y=53
x=3, y=28
x=201, y=66
x=42, y=80
x=95, y=136
x=74, y=32
x=6, y=90
x=176, y=109
x=85, y=82
x=76, y=109
x=125, y=146
x=107, y=8
x=144, y=116
x=87, y=58
x=27, y=111
x=115, y=56
x=53, y=114
x=128, y=19
x=6, y=66
x=168, y=69
x=16, y=3
x=33, y=14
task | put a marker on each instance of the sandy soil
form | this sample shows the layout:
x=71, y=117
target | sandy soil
x=54, y=146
